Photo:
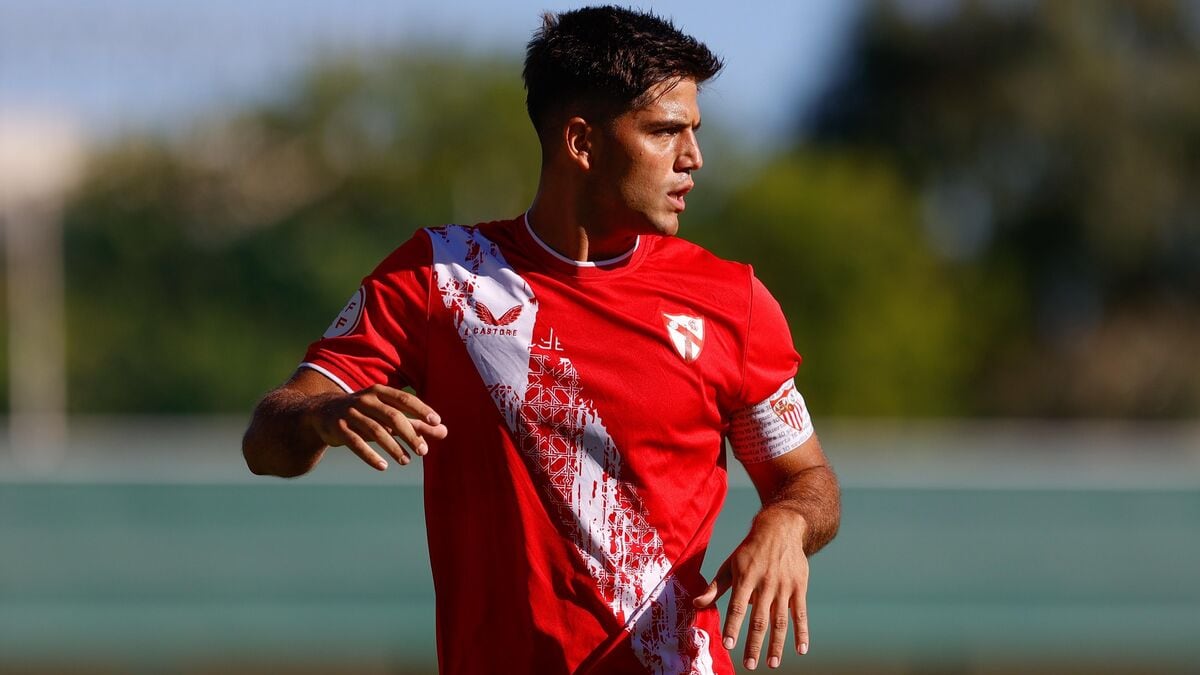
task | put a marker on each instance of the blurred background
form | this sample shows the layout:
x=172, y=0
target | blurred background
x=982, y=219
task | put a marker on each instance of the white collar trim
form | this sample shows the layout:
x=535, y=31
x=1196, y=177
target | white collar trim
x=580, y=263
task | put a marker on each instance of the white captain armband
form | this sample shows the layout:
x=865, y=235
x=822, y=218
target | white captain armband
x=771, y=428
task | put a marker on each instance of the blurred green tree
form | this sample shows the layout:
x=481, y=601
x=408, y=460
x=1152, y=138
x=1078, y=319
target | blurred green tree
x=199, y=267
x=3, y=338
x=996, y=213
x=837, y=239
x=1054, y=146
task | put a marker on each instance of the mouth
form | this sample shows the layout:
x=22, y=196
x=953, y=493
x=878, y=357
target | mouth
x=676, y=196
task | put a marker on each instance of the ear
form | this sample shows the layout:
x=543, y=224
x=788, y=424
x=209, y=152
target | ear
x=578, y=139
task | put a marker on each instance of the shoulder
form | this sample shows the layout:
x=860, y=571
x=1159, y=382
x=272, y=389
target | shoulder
x=731, y=283
x=419, y=250
x=675, y=251
x=414, y=253
x=464, y=239
x=491, y=229
x=695, y=265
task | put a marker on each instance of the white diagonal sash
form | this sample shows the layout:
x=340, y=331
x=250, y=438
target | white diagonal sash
x=577, y=465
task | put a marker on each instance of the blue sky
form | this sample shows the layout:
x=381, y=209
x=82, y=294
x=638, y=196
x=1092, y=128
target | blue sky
x=118, y=65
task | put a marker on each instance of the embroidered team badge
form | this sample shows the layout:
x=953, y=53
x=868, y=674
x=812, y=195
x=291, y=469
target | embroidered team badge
x=485, y=315
x=785, y=407
x=686, y=333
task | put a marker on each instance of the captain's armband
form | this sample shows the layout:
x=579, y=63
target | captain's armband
x=771, y=428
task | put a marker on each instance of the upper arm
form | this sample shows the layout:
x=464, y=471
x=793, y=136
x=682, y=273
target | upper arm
x=771, y=433
x=304, y=384
x=380, y=336
x=312, y=383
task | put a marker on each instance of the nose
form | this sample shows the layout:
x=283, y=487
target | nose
x=690, y=158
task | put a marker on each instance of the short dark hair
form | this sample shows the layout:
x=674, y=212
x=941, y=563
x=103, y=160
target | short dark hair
x=607, y=59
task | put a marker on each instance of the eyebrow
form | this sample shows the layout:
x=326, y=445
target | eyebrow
x=672, y=121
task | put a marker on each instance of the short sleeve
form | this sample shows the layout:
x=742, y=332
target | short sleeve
x=379, y=336
x=771, y=419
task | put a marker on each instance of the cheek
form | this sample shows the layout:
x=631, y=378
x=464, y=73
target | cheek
x=635, y=177
x=647, y=170
x=639, y=187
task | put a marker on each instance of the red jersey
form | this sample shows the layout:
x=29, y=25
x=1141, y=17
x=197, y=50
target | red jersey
x=570, y=507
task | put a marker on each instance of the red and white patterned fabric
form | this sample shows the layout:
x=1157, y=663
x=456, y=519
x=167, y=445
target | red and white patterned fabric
x=571, y=505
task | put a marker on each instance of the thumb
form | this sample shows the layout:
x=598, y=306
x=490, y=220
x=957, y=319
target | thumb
x=716, y=589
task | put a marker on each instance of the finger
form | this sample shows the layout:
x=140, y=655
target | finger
x=359, y=447
x=369, y=429
x=800, y=620
x=427, y=430
x=425, y=420
x=779, y=629
x=735, y=611
x=760, y=621
x=407, y=402
x=715, y=590
x=396, y=423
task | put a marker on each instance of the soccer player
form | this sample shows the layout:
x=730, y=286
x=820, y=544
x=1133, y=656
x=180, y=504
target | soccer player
x=576, y=371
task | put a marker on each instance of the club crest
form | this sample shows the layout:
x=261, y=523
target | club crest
x=686, y=333
x=785, y=407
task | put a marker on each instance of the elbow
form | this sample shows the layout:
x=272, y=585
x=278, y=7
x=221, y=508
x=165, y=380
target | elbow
x=262, y=463
x=835, y=524
x=256, y=469
x=825, y=511
x=835, y=506
x=252, y=459
x=260, y=467
x=256, y=457
x=835, y=512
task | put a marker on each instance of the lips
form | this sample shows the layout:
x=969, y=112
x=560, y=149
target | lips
x=677, y=196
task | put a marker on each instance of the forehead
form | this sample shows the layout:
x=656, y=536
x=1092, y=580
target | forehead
x=676, y=100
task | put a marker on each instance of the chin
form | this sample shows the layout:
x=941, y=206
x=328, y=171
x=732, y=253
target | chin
x=667, y=226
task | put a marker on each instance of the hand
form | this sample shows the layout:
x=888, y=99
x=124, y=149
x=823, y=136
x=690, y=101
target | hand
x=769, y=570
x=378, y=413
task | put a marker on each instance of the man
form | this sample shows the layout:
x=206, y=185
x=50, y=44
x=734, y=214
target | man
x=576, y=371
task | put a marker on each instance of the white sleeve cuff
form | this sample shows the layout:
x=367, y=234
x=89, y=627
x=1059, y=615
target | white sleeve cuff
x=336, y=380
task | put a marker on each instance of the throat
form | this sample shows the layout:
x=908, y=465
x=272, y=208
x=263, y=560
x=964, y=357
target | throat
x=576, y=247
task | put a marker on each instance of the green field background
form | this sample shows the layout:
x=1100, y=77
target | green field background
x=131, y=561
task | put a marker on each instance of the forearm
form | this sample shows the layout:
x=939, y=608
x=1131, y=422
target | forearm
x=770, y=568
x=813, y=499
x=279, y=440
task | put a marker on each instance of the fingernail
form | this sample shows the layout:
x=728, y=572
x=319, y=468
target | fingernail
x=422, y=448
x=433, y=418
x=773, y=662
x=751, y=664
x=803, y=647
x=728, y=643
x=381, y=464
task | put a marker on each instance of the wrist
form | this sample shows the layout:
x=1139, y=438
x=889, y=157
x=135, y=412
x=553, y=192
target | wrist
x=784, y=517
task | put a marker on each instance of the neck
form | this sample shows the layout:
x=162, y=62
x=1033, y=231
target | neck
x=560, y=224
